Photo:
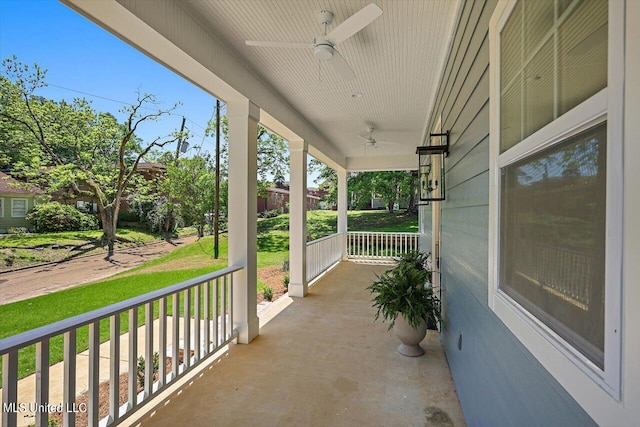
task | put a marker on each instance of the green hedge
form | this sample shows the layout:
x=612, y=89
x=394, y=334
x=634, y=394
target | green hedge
x=55, y=216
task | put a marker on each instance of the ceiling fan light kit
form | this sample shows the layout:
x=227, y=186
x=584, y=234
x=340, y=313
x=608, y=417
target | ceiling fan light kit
x=370, y=141
x=323, y=50
x=324, y=45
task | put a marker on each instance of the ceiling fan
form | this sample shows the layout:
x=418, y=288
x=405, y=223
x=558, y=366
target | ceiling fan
x=371, y=142
x=324, y=45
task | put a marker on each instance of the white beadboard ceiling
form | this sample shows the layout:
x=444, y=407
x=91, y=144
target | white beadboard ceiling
x=397, y=60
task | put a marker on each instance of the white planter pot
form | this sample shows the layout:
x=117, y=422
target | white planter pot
x=409, y=337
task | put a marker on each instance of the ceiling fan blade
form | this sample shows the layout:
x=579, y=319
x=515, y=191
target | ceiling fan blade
x=363, y=137
x=354, y=23
x=292, y=45
x=340, y=65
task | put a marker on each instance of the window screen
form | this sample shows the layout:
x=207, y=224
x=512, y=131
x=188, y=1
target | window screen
x=552, y=238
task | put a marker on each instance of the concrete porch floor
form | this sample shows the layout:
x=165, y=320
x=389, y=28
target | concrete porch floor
x=321, y=361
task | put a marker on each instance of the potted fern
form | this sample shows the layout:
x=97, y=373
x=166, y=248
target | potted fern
x=404, y=298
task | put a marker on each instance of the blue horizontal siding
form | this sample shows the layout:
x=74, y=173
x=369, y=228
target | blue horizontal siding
x=499, y=382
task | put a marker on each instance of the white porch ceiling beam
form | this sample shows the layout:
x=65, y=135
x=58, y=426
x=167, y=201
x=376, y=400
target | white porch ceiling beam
x=380, y=163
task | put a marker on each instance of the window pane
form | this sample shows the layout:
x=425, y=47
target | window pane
x=582, y=53
x=550, y=61
x=563, y=5
x=538, y=23
x=511, y=48
x=18, y=208
x=538, y=81
x=510, y=116
x=552, y=238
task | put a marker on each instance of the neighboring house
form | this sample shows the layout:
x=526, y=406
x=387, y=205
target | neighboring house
x=278, y=199
x=151, y=170
x=16, y=200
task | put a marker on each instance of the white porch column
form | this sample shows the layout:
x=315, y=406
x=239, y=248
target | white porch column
x=343, y=203
x=243, y=117
x=298, y=219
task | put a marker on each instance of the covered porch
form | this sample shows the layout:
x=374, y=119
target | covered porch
x=320, y=360
x=421, y=68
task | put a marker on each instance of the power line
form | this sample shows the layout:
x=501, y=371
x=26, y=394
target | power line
x=197, y=124
x=202, y=142
x=120, y=102
x=96, y=96
x=202, y=137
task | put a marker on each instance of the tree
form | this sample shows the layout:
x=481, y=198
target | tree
x=395, y=187
x=392, y=186
x=361, y=188
x=76, y=149
x=327, y=180
x=273, y=154
x=191, y=184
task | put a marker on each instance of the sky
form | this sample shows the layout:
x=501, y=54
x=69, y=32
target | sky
x=84, y=60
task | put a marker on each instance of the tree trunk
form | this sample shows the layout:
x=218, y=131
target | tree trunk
x=411, y=205
x=109, y=228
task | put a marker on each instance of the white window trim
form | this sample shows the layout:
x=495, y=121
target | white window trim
x=1, y=207
x=595, y=389
x=26, y=207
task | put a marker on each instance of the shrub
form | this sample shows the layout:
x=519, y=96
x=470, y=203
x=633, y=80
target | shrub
x=141, y=368
x=54, y=216
x=20, y=231
x=285, y=280
x=270, y=214
x=267, y=293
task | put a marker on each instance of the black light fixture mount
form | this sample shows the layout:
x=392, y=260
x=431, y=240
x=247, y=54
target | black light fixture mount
x=431, y=167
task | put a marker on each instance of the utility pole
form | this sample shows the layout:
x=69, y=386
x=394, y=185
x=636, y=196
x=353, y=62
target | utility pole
x=216, y=213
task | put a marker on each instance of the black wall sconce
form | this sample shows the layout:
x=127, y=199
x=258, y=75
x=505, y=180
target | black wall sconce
x=431, y=167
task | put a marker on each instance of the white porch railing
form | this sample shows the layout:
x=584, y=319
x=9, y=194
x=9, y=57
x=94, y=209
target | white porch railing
x=380, y=245
x=323, y=253
x=202, y=324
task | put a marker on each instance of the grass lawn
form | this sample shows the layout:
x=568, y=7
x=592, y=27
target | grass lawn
x=184, y=263
x=323, y=223
x=398, y=222
x=71, y=238
x=28, y=314
x=32, y=248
